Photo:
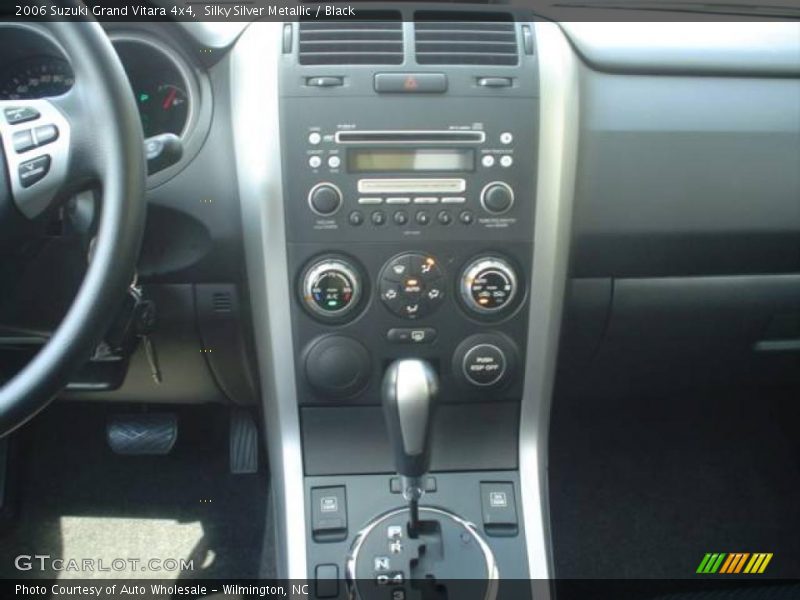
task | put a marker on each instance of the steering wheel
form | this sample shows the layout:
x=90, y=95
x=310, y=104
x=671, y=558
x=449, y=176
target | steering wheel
x=90, y=135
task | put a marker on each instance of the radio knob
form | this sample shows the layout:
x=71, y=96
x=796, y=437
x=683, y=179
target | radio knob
x=331, y=288
x=497, y=197
x=488, y=285
x=325, y=199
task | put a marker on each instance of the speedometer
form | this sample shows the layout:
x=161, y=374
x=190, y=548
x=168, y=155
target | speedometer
x=34, y=78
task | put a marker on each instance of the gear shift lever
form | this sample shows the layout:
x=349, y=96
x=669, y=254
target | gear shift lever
x=409, y=389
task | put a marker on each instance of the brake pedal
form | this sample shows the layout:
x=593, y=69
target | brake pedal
x=149, y=433
x=243, y=443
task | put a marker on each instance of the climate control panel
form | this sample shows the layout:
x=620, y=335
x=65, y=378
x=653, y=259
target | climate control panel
x=412, y=285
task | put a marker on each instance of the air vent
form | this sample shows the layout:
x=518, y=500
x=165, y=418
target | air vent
x=376, y=40
x=222, y=302
x=446, y=38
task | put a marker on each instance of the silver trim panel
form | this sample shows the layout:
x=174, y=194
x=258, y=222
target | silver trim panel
x=412, y=186
x=256, y=130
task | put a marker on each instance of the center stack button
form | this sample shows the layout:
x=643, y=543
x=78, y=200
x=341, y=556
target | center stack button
x=412, y=285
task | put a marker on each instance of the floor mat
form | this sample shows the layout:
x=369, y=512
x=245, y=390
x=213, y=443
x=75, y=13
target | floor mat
x=77, y=500
x=644, y=488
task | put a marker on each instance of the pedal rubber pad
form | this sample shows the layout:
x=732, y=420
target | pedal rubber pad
x=153, y=433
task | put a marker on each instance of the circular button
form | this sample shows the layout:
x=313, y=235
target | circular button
x=506, y=161
x=506, y=137
x=422, y=217
x=337, y=365
x=314, y=161
x=488, y=285
x=378, y=218
x=314, y=138
x=334, y=162
x=466, y=217
x=412, y=285
x=324, y=199
x=497, y=197
x=355, y=218
x=331, y=288
x=444, y=217
x=484, y=365
x=487, y=160
x=400, y=217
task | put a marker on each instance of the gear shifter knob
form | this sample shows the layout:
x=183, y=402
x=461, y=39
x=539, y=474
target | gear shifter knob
x=409, y=390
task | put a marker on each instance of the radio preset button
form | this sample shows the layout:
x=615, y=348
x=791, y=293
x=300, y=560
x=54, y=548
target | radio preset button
x=506, y=137
x=314, y=138
x=466, y=217
x=314, y=161
x=506, y=161
x=422, y=217
x=325, y=199
x=497, y=197
x=444, y=217
x=334, y=162
x=355, y=218
x=378, y=218
x=487, y=160
x=400, y=217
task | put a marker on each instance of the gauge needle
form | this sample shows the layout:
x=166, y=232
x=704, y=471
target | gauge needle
x=170, y=98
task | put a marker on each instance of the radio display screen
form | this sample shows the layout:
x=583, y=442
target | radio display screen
x=366, y=160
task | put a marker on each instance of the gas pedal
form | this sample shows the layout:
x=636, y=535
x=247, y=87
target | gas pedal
x=243, y=442
x=144, y=434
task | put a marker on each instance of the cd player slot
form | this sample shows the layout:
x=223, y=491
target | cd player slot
x=410, y=137
x=411, y=186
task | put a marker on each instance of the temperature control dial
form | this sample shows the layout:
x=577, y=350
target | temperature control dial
x=488, y=285
x=331, y=288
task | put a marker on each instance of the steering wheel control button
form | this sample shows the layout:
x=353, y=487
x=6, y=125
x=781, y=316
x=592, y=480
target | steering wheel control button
x=499, y=508
x=484, y=365
x=331, y=288
x=488, y=285
x=21, y=114
x=45, y=134
x=412, y=285
x=23, y=141
x=32, y=171
x=325, y=199
x=497, y=197
x=329, y=514
x=406, y=335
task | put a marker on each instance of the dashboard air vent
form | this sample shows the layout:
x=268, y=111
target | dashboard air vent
x=376, y=39
x=446, y=38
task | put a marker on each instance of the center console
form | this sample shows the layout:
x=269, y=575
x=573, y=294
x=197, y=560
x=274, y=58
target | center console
x=409, y=205
x=406, y=225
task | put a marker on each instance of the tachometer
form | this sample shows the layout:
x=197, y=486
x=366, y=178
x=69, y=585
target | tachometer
x=39, y=77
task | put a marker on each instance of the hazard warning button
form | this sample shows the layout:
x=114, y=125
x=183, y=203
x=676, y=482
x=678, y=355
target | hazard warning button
x=410, y=83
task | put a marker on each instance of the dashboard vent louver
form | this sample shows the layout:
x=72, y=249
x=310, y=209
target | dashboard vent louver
x=375, y=39
x=446, y=38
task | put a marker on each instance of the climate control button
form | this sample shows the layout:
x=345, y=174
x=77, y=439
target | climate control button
x=331, y=288
x=325, y=199
x=488, y=285
x=412, y=285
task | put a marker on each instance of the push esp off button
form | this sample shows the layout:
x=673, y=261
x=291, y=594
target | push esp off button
x=484, y=364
